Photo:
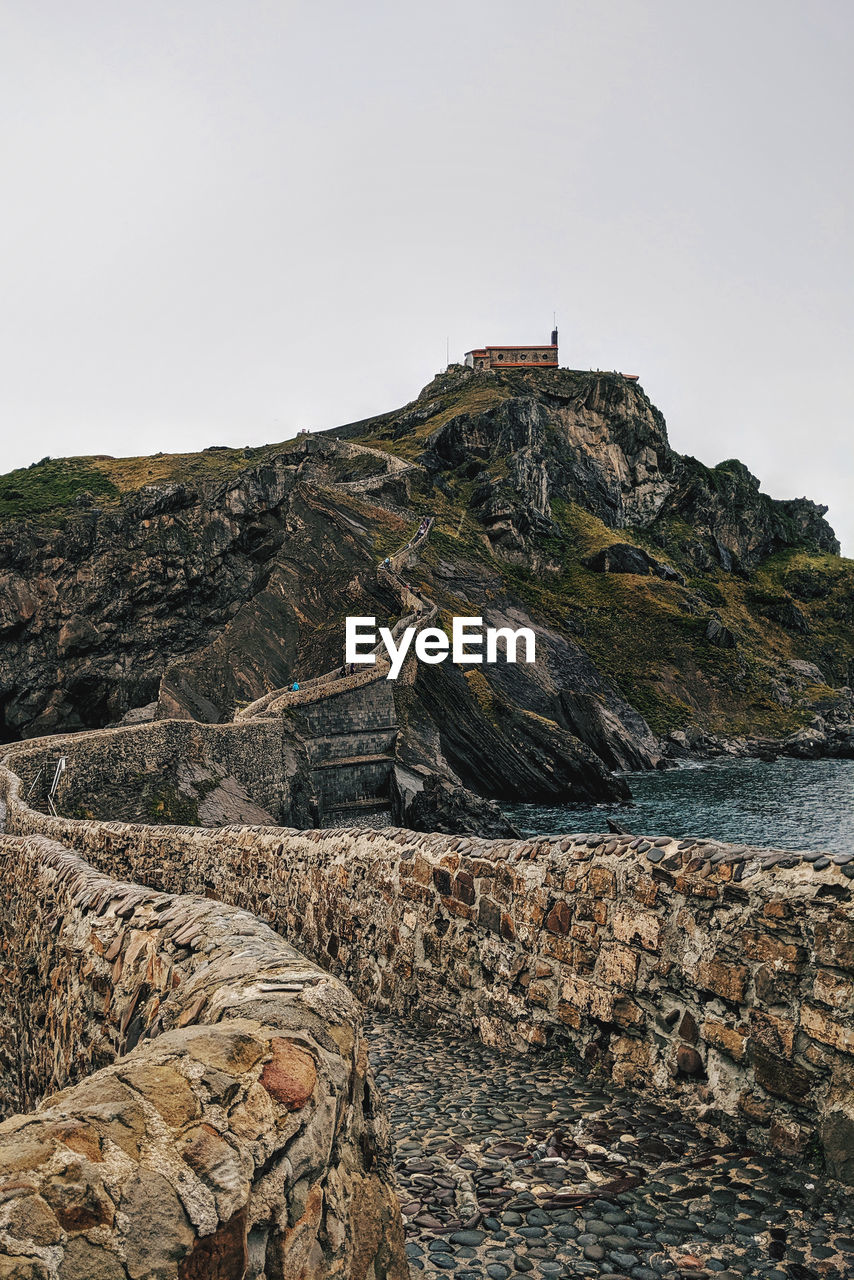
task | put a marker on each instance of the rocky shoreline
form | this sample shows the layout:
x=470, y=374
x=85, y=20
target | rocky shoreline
x=829, y=736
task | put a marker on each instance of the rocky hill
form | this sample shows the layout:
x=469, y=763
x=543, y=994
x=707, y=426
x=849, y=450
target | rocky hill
x=677, y=607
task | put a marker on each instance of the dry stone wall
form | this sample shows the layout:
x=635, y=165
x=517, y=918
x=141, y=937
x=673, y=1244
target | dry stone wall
x=214, y=1114
x=722, y=977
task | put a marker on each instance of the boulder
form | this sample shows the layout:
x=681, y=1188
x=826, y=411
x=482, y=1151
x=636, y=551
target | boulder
x=807, y=671
x=719, y=635
x=622, y=557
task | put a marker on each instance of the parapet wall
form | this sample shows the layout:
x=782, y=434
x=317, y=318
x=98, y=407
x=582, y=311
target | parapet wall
x=256, y=766
x=723, y=977
x=228, y=1127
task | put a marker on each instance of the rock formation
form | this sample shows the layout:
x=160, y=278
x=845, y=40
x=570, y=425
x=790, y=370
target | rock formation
x=186, y=1093
x=667, y=596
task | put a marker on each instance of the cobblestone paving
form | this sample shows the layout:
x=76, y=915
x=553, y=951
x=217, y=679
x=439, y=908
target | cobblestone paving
x=509, y=1166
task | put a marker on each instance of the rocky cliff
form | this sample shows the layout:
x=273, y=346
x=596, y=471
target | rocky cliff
x=669, y=598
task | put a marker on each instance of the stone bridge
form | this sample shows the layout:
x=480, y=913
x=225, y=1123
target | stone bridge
x=720, y=978
x=183, y=1067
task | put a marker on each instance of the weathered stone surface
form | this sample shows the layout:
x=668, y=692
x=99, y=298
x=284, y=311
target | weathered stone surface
x=558, y=919
x=837, y=1034
x=780, y=1076
x=834, y=942
x=78, y=1198
x=689, y=1061
x=837, y=1135
x=221, y=1256
x=296, y=1245
x=215, y=1161
x=730, y=1040
x=162, y=1233
x=380, y=1250
x=161, y=1164
x=585, y=941
x=18, y=1267
x=223, y=1050
x=168, y=1092
x=290, y=1076
x=82, y=1260
x=621, y=557
x=724, y=978
x=31, y=1218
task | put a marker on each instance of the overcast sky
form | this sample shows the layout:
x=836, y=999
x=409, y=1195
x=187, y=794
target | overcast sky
x=224, y=220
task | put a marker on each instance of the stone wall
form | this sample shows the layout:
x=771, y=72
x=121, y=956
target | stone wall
x=340, y=786
x=370, y=707
x=350, y=738
x=222, y=1123
x=257, y=771
x=721, y=977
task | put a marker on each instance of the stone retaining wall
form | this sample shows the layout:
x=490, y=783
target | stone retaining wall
x=347, y=710
x=262, y=758
x=355, y=780
x=228, y=1127
x=273, y=704
x=722, y=977
x=361, y=742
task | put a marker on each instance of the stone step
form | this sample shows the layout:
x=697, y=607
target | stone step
x=370, y=819
x=369, y=802
x=371, y=812
x=343, y=762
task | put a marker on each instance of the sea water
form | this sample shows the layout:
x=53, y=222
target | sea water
x=788, y=804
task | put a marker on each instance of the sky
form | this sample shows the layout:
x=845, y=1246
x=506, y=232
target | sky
x=225, y=221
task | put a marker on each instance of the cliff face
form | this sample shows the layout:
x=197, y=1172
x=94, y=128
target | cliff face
x=596, y=440
x=665, y=595
x=214, y=588
x=734, y=525
x=675, y=593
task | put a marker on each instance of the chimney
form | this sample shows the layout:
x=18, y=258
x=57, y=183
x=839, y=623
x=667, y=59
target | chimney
x=554, y=337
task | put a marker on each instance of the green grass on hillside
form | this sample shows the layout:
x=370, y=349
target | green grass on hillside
x=648, y=636
x=52, y=484
x=473, y=400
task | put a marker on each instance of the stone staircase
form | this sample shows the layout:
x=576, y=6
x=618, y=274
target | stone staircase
x=351, y=720
x=351, y=750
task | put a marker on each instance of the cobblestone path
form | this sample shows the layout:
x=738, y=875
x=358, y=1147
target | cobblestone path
x=509, y=1167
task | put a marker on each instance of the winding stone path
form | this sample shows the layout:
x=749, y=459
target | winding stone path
x=511, y=1166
